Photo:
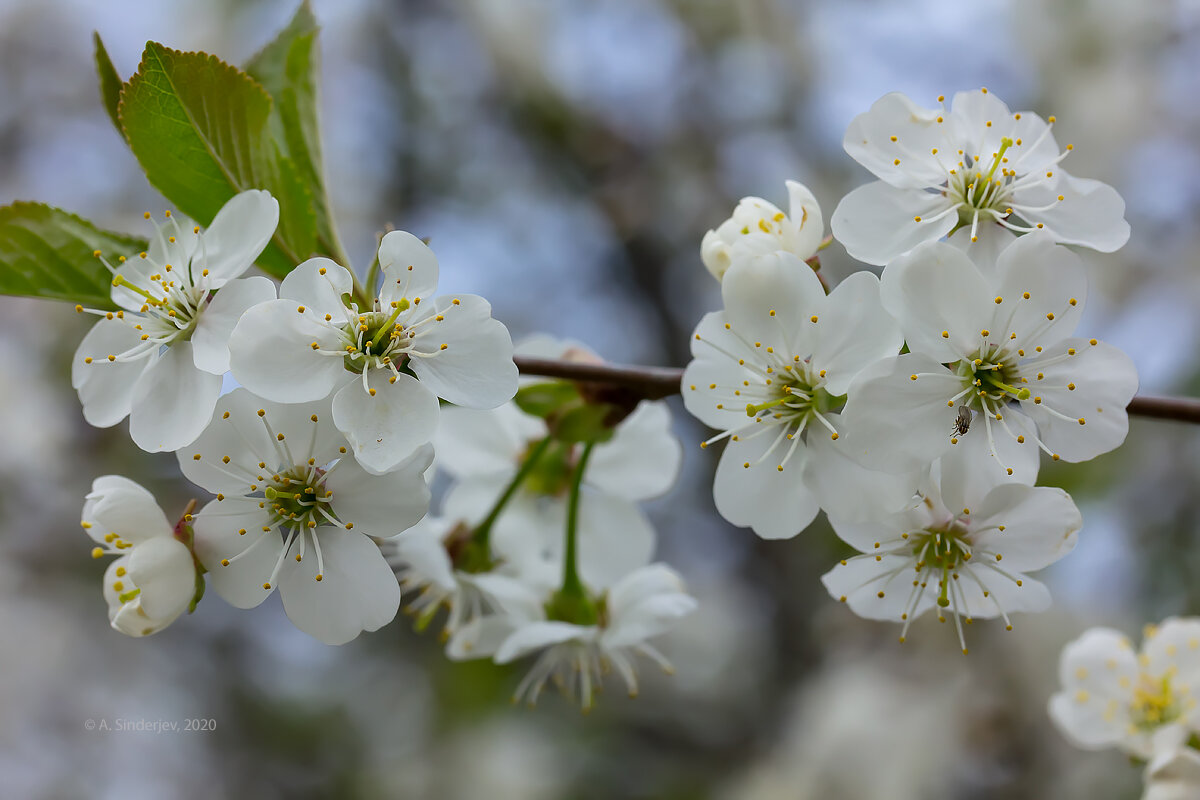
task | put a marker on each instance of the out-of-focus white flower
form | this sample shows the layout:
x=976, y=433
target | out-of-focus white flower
x=1173, y=775
x=386, y=366
x=965, y=545
x=641, y=605
x=295, y=511
x=159, y=359
x=1143, y=703
x=976, y=166
x=770, y=372
x=1000, y=348
x=153, y=579
x=758, y=227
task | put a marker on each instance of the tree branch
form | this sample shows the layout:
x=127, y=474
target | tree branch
x=655, y=383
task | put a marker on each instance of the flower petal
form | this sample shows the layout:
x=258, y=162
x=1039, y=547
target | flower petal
x=1041, y=525
x=858, y=582
x=252, y=555
x=357, y=592
x=472, y=442
x=777, y=505
x=210, y=340
x=118, y=505
x=1093, y=670
x=319, y=283
x=876, y=223
x=381, y=505
x=238, y=233
x=1091, y=213
x=1056, y=284
x=162, y=568
x=172, y=401
x=897, y=129
x=940, y=299
x=106, y=387
x=271, y=352
x=805, y=214
x=386, y=423
x=847, y=489
x=770, y=299
x=643, y=458
x=539, y=635
x=615, y=538
x=855, y=331
x=410, y=269
x=466, y=358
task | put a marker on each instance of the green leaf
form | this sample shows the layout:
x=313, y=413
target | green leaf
x=289, y=68
x=544, y=399
x=46, y=252
x=586, y=423
x=110, y=82
x=199, y=128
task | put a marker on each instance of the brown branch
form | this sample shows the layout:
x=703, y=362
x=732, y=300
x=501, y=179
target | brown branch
x=656, y=383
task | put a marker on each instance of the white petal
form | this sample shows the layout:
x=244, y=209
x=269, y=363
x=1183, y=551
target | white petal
x=357, y=591
x=897, y=424
x=381, y=505
x=238, y=233
x=981, y=119
x=777, y=505
x=162, y=568
x=1174, y=648
x=481, y=637
x=935, y=290
x=210, y=340
x=859, y=581
x=877, y=222
x=118, y=505
x=106, y=388
x=1055, y=280
x=615, y=538
x=473, y=442
x=897, y=128
x=271, y=353
x=537, y=636
x=1091, y=214
x=847, y=489
x=1104, y=380
x=173, y=401
x=218, y=529
x=1003, y=592
x=855, y=331
x=869, y=535
x=715, y=373
x=805, y=215
x=715, y=252
x=1092, y=670
x=471, y=498
x=648, y=619
x=467, y=356
x=771, y=298
x=410, y=270
x=974, y=465
x=643, y=458
x=1041, y=525
x=319, y=284
x=422, y=547
x=386, y=428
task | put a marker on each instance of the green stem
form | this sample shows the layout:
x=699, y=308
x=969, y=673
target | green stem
x=483, y=532
x=571, y=584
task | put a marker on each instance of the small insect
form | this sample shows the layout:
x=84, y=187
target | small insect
x=962, y=422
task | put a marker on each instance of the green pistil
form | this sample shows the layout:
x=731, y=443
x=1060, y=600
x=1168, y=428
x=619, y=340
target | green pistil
x=982, y=182
x=752, y=410
x=125, y=597
x=386, y=327
x=119, y=280
x=990, y=378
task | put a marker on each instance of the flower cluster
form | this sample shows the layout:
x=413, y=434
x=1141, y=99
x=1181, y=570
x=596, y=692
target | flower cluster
x=319, y=456
x=914, y=408
x=541, y=546
x=1142, y=703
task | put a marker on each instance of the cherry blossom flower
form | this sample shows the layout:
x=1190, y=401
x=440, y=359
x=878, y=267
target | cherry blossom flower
x=771, y=372
x=386, y=366
x=758, y=227
x=975, y=166
x=966, y=545
x=153, y=579
x=159, y=358
x=1142, y=703
x=643, y=604
x=295, y=511
x=1001, y=348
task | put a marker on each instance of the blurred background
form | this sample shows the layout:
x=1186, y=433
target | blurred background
x=566, y=156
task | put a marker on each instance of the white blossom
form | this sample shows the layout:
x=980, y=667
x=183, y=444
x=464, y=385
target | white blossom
x=159, y=358
x=1001, y=347
x=295, y=511
x=153, y=579
x=965, y=545
x=770, y=372
x=1173, y=775
x=1143, y=703
x=975, y=166
x=386, y=366
x=758, y=227
x=641, y=605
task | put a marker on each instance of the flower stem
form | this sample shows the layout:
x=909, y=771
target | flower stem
x=483, y=532
x=571, y=584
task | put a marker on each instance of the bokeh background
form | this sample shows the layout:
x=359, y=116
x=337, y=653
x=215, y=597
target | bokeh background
x=566, y=156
